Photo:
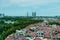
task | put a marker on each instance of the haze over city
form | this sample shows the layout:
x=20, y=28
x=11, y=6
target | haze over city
x=29, y=19
x=21, y=7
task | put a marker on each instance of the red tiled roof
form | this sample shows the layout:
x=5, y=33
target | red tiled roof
x=10, y=37
x=39, y=27
x=55, y=36
x=47, y=35
x=34, y=34
x=38, y=39
x=58, y=29
x=21, y=38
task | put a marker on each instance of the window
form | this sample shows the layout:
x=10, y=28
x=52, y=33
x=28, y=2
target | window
x=42, y=33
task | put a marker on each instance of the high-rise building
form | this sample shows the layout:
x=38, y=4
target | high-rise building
x=1, y=15
x=27, y=14
x=33, y=14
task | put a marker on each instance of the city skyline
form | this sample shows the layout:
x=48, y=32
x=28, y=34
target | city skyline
x=21, y=7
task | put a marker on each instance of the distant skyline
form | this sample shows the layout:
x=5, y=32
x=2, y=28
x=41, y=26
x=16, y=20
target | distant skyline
x=21, y=7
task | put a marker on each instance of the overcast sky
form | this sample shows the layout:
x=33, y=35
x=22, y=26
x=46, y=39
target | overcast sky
x=21, y=7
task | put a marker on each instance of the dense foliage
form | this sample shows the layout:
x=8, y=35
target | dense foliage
x=57, y=23
x=7, y=29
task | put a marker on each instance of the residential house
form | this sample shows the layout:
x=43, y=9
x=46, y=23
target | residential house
x=20, y=33
x=1, y=15
x=33, y=28
x=56, y=36
x=44, y=24
x=38, y=39
x=40, y=33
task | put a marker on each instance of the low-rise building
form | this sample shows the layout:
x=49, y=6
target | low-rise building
x=20, y=33
x=33, y=28
x=40, y=33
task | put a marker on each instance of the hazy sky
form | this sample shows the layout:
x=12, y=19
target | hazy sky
x=20, y=7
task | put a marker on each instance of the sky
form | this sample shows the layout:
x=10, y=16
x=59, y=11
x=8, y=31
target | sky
x=21, y=7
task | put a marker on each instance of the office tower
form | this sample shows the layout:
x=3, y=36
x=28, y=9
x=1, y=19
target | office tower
x=27, y=14
x=1, y=15
x=33, y=14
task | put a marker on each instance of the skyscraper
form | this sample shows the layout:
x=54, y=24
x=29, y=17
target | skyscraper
x=33, y=14
x=27, y=14
x=1, y=15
